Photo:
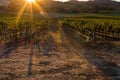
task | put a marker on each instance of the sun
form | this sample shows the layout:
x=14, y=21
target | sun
x=31, y=1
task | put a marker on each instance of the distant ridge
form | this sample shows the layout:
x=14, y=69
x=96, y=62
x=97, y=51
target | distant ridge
x=4, y=2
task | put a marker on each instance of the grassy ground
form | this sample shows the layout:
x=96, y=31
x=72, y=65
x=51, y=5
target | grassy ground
x=82, y=15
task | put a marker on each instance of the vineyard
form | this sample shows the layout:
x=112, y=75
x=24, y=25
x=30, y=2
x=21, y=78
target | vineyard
x=94, y=28
x=57, y=49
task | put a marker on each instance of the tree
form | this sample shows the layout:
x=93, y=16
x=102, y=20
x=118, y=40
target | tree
x=91, y=0
x=102, y=0
x=73, y=0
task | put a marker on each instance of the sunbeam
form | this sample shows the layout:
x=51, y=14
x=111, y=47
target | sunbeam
x=31, y=11
x=30, y=4
x=39, y=8
x=19, y=14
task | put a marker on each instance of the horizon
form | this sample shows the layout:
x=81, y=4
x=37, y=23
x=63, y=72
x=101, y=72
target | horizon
x=81, y=0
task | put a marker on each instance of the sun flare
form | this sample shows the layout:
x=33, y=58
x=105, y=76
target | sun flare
x=31, y=1
x=28, y=5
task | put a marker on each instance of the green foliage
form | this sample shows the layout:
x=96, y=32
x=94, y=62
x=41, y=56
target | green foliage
x=100, y=25
x=11, y=31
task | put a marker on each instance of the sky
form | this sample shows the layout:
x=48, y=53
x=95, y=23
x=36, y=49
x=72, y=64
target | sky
x=81, y=0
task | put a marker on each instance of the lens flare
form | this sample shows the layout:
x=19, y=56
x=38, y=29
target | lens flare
x=31, y=1
x=29, y=6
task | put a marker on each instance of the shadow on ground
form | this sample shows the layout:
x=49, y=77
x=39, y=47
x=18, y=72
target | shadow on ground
x=109, y=69
x=7, y=49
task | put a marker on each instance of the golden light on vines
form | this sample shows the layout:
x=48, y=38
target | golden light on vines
x=19, y=14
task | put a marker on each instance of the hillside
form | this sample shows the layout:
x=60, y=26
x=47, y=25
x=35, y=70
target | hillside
x=66, y=7
x=4, y=2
